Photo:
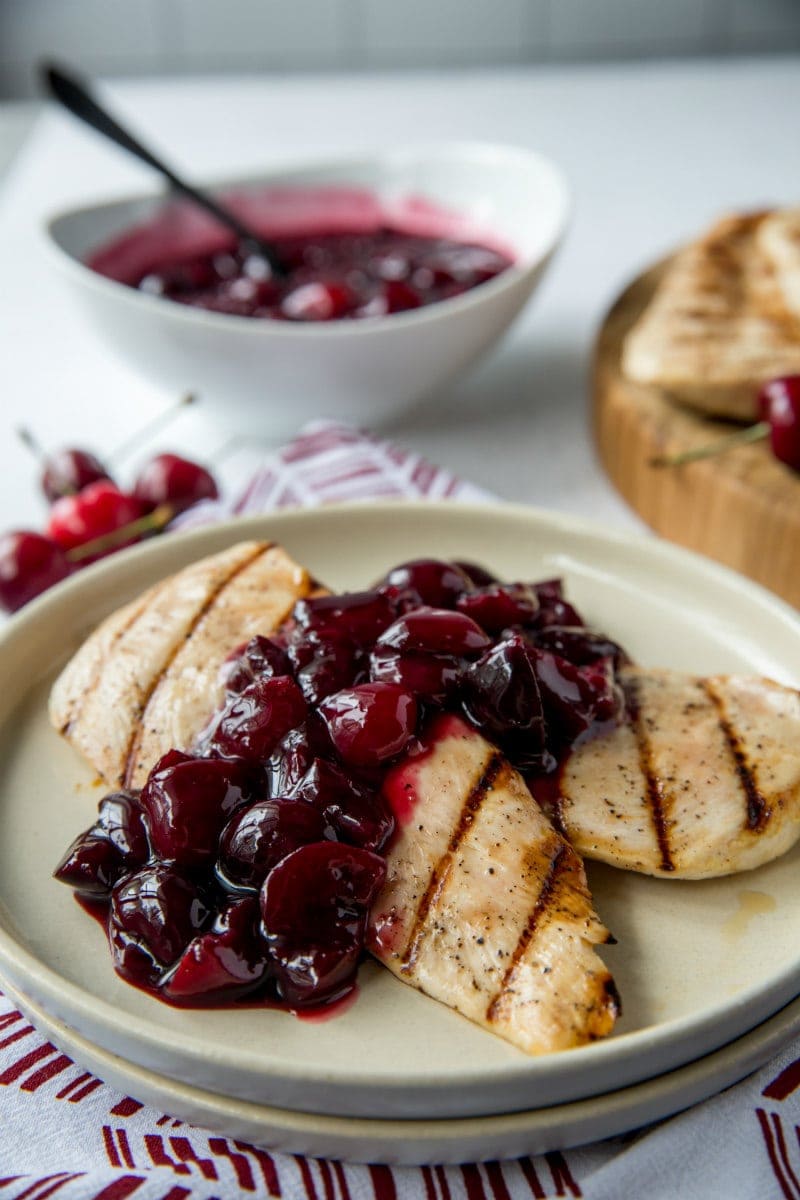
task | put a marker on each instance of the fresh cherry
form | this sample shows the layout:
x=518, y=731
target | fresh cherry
x=179, y=482
x=69, y=471
x=779, y=404
x=100, y=509
x=29, y=565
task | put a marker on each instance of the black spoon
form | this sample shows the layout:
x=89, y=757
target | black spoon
x=76, y=97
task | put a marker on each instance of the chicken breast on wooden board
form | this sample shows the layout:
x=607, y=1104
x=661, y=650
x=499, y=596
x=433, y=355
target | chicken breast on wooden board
x=718, y=325
x=148, y=679
x=703, y=778
x=779, y=240
x=485, y=907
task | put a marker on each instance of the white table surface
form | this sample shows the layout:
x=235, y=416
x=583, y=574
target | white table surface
x=653, y=152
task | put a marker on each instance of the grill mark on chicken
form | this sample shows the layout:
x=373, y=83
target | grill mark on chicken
x=557, y=864
x=77, y=704
x=442, y=868
x=758, y=809
x=653, y=789
x=131, y=752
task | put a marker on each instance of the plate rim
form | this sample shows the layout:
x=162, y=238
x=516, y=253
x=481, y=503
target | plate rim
x=52, y=989
x=658, y=1098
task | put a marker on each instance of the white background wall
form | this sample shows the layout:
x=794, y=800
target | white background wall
x=129, y=37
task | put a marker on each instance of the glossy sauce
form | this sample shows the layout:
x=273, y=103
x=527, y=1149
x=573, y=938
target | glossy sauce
x=347, y=256
x=345, y=754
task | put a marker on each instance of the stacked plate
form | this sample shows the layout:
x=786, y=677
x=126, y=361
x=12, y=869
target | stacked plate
x=708, y=971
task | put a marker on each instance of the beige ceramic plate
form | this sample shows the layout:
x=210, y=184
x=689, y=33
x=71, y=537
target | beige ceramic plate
x=415, y=1143
x=698, y=964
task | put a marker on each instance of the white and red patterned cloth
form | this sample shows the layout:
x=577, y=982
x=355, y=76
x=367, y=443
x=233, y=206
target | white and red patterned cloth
x=329, y=463
x=66, y=1134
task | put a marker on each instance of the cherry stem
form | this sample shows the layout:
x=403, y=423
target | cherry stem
x=159, y=421
x=153, y=522
x=146, y=431
x=27, y=439
x=741, y=437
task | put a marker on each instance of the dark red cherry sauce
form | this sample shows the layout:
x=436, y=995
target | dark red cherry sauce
x=347, y=256
x=246, y=869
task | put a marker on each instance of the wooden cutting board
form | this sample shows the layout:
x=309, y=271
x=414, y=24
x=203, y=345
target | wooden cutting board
x=741, y=508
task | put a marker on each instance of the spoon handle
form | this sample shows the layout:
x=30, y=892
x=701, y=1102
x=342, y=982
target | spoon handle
x=75, y=97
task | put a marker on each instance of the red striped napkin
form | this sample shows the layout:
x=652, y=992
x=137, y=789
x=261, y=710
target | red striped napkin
x=329, y=462
x=66, y=1134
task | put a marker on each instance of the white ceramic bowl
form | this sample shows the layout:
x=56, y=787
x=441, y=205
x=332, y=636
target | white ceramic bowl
x=271, y=375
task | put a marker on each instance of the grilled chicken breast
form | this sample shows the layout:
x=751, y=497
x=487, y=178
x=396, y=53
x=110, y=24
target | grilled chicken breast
x=719, y=323
x=703, y=778
x=779, y=241
x=485, y=907
x=148, y=679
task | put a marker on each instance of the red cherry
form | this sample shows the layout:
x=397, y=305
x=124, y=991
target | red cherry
x=435, y=631
x=154, y=914
x=499, y=605
x=435, y=581
x=99, y=509
x=257, y=838
x=370, y=723
x=179, y=482
x=29, y=564
x=253, y=722
x=779, y=404
x=188, y=802
x=395, y=296
x=230, y=959
x=318, y=302
x=91, y=865
x=314, y=905
x=69, y=471
x=400, y=296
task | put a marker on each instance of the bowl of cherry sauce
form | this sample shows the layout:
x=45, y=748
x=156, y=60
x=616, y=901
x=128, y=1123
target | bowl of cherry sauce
x=399, y=271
